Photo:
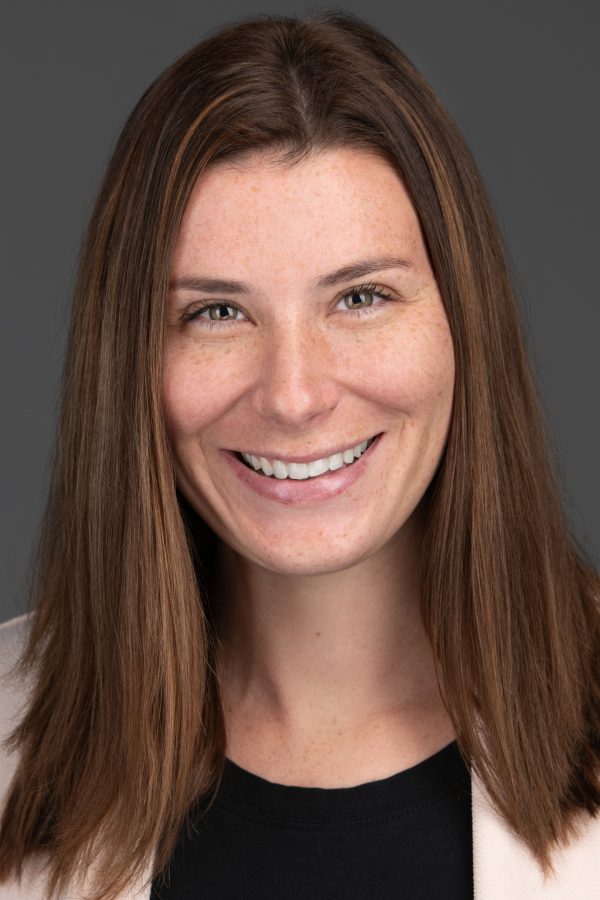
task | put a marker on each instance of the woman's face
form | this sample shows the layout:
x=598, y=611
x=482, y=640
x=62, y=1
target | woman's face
x=334, y=333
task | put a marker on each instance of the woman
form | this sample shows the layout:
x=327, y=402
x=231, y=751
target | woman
x=307, y=614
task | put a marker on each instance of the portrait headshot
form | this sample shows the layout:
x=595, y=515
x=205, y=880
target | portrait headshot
x=302, y=524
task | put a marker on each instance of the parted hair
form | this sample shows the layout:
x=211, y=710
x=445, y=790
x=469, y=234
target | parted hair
x=123, y=730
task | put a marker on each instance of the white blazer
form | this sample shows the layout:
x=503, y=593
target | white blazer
x=503, y=868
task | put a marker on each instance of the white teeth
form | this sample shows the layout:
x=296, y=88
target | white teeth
x=297, y=470
x=318, y=467
x=336, y=461
x=302, y=471
x=266, y=466
x=279, y=469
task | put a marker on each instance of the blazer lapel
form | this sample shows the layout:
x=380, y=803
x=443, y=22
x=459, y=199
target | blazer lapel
x=505, y=869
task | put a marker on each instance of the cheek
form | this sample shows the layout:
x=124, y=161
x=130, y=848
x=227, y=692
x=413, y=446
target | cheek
x=413, y=369
x=192, y=396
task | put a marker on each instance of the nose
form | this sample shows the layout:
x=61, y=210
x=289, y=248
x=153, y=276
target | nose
x=296, y=383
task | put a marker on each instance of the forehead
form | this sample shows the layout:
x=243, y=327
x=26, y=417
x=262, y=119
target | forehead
x=333, y=205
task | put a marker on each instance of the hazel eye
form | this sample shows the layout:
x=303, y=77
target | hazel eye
x=365, y=299
x=219, y=312
x=358, y=303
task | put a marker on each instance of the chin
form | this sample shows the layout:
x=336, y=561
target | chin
x=314, y=560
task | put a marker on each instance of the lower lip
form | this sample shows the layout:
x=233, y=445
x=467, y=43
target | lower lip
x=289, y=490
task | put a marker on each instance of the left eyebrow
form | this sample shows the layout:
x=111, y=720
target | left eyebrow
x=359, y=268
x=346, y=273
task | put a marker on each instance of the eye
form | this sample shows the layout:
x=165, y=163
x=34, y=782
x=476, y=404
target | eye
x=221, y=311
x=360, y=299
x=217, y=312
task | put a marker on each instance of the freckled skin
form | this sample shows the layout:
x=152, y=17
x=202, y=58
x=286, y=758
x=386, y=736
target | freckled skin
x=298, y=371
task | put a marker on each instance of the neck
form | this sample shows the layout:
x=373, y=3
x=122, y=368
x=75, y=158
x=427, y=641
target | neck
x=344, y=647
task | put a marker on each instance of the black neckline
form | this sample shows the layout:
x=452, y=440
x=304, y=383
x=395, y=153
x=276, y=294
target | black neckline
x=417, y=785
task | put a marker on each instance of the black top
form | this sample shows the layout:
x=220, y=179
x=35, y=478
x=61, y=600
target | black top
x=407, y=836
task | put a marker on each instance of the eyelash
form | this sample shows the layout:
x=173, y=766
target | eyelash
x=375, y=289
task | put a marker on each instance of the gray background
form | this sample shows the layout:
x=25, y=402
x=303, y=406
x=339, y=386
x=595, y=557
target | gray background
x=520, y=78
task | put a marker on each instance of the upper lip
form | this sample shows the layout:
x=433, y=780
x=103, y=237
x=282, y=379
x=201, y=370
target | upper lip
x=287, y=458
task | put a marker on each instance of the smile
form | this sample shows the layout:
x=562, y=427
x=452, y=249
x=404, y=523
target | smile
x=300, y=471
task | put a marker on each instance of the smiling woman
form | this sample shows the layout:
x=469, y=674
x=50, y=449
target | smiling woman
x=307, y=614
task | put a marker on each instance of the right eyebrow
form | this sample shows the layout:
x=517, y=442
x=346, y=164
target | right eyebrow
x=210, y=285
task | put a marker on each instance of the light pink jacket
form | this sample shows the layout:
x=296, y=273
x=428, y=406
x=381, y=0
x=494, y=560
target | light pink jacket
x=503, y=868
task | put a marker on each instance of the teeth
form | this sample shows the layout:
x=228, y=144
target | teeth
x=318, y=467
x=279, y=469
x=336, y=461
x=297, y=470
x=266, y=466
x=302, y=471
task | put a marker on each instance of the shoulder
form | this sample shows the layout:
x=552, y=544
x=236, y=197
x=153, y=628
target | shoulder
x=13, y=636
x=13, y=691
x=14, y=694
x=13, y=697
x=504, y=869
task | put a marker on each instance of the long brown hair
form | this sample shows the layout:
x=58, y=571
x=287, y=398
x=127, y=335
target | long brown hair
x=124, y=728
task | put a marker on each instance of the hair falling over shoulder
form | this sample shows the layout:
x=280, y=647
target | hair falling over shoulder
x=124, y=728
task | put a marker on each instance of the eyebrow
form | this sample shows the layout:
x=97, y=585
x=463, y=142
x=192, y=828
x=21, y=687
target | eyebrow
x=351, y=271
